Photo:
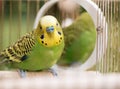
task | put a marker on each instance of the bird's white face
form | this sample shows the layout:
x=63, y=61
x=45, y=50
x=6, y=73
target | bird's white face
x=49, y=31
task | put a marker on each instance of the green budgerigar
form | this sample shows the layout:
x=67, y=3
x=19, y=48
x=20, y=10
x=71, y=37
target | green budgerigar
x=37, y=50
x=80, y=38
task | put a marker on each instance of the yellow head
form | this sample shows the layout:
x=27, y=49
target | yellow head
x=49, y=32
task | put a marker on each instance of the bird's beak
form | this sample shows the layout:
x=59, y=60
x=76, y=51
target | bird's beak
x=50, y=29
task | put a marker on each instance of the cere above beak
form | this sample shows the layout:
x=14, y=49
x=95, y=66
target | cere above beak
x=50, y=29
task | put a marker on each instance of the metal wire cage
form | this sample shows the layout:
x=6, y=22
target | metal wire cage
x=18, y=17
x=110, y=60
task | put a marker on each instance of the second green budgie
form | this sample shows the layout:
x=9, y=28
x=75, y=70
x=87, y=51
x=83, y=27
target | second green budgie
x=80, y=38
x=37, y=50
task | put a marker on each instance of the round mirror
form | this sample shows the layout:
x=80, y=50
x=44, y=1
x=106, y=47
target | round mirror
x=100, y=25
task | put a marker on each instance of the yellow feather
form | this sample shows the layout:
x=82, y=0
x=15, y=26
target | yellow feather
x=50, y=39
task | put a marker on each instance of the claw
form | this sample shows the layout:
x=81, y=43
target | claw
x=53, y=71
x=22, y=73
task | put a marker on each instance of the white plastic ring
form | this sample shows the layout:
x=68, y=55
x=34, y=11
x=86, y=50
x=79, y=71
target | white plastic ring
x=99, y=22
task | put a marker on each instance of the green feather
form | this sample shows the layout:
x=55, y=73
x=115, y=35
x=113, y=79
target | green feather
x=41, y=57
x=80, y=38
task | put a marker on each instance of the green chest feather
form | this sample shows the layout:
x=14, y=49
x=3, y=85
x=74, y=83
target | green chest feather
x=41, y=57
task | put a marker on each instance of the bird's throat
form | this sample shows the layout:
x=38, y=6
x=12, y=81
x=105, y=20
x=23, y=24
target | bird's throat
x=51, y=39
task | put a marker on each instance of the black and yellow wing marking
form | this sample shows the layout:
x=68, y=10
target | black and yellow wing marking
x=19, y=51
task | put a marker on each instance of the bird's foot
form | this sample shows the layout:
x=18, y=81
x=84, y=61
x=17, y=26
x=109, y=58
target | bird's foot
x=22, y=73
x=53, y=71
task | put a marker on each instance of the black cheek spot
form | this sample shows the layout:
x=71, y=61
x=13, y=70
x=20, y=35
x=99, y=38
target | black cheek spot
x=42, y=36
x=59, y=33
x=61, y=38
x=42, y=41
x=24, y=58
x=45, y=43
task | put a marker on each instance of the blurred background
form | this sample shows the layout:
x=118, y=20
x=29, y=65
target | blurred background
x=17, y=18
